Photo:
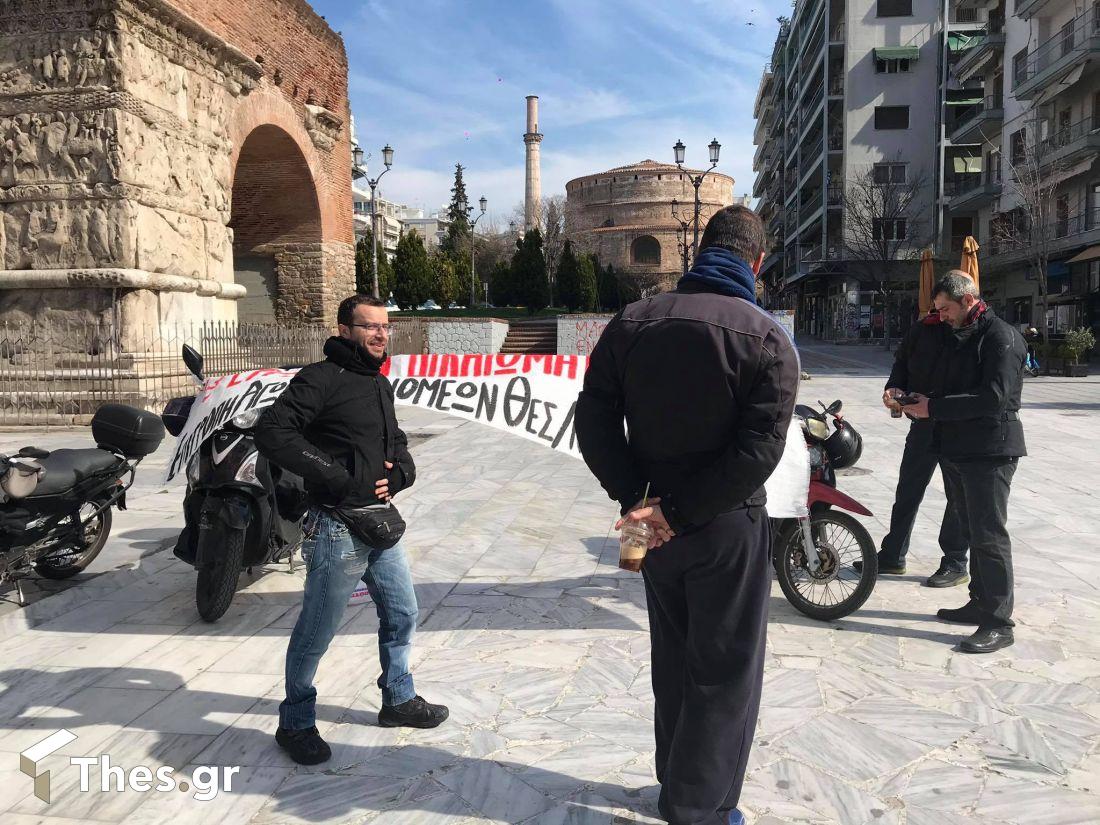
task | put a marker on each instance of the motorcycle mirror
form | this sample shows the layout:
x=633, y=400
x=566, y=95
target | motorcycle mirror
x=193, y=360
x=834, y=408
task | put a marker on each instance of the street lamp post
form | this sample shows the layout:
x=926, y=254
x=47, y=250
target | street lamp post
x=484, y=204
x=387, y=159
x=685, y=247
x=696, y=180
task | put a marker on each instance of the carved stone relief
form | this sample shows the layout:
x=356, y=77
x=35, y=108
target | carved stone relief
x=66, y=234
x=59, y=147
x=323, y=126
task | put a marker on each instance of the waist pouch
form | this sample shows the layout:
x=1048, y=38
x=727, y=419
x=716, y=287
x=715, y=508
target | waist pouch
x=379, y=525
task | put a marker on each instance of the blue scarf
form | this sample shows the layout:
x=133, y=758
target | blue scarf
x=719, y=270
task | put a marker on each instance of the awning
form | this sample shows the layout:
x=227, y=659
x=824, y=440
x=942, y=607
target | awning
x=957, y=41
x=1090, y=254
x=967, y=166
x=897, y=53
x=966, y=101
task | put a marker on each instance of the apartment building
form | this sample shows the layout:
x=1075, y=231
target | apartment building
x=1037, y=123
x=855, y=97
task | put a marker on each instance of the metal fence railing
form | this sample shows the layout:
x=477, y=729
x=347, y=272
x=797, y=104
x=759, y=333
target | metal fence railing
x=55, y=372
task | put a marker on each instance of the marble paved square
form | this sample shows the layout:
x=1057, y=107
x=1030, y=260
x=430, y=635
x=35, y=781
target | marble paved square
x=539, y=644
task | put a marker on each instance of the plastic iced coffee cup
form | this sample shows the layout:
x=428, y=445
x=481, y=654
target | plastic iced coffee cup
x=633, y=544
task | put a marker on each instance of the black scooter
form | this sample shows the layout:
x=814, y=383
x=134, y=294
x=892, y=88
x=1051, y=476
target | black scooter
x=240, y=511
x=55, y=507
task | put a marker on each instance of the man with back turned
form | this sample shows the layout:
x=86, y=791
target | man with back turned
x=705, y=383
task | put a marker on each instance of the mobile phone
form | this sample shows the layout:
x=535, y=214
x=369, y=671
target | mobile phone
x=906, y=400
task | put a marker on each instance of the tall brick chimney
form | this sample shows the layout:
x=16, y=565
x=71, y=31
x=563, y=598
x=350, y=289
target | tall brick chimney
x=533, y=193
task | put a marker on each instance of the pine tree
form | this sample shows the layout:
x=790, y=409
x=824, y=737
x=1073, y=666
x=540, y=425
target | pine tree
x=532, y=289
x=457, y=241
x=500, y=285
x=609, y=289
x=569, y=280
x=363, y=276
x=587, y=292
x=412, y=271
x=445, y=282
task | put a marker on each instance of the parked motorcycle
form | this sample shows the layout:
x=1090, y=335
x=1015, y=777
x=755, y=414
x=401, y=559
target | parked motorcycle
x=814, y=557
x=240, y=510
x=55, y=506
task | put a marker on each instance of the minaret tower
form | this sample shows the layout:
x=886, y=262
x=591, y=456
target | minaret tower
x=533, y=194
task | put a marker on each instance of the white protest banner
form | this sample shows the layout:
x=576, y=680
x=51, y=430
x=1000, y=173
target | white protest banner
x=219, y=400
x=531, y=396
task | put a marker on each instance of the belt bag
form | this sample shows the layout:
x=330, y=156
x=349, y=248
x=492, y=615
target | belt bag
x=379, y=525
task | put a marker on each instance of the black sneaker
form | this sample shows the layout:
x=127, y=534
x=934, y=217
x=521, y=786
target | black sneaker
x=415, y=713
x=947, y=578
x=969, y=613
x=886, y=568
x=306, y=747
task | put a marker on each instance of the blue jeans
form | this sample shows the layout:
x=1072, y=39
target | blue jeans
x=335, y=562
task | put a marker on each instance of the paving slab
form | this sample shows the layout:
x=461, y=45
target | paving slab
x=539, y=644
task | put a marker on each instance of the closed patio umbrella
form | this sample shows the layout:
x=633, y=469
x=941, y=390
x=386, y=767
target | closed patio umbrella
x=927, y=278
x=969, y=263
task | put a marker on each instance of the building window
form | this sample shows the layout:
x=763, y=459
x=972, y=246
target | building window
x=892, y=66
x=646, y=250
x=1067, y=38
x=1019, y=67
x=895, y=8
x=1018, y=147
x=891, y=117
x=890, y=173
x=1061, y=216
x=889, y=229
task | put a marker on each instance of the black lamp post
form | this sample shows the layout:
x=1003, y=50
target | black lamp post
x=387, y=159
x=685, y=247
x=696, y=180
x=484, y=204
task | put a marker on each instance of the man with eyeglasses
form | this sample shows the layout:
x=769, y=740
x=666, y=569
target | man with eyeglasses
x=336, y=427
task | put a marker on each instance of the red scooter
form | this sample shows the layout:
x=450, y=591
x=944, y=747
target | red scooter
x=815, y=556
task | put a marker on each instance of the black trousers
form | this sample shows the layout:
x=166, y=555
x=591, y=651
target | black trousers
x=708, y=595
x=918, y=466
x=980, y=490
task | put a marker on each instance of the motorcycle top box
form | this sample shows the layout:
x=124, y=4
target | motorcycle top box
x=133, y=433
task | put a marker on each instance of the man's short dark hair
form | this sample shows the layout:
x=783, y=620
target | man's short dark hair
x=955, y=284
x=344, y=315
x=737, y=229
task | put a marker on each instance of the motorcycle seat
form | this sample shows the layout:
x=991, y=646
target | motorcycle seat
x=67, y=468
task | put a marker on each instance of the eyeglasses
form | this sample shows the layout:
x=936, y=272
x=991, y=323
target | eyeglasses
x=385, y=329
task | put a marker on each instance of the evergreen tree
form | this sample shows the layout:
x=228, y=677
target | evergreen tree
x=445, y=284
x=363, y=275
x=587, y=291
x=413, y=277
x=457, y=242
x=500, y=284
x=608, y=288
x=569, y=279
x=532, y=289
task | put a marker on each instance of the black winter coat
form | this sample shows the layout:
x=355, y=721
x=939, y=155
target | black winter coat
x=335, y=426
x=706, y=384
x=918, y=361
x=983, y=375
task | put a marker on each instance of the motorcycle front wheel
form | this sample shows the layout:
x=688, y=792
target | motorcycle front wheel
x=70, y=559
x=217, y=581
x=838, y=588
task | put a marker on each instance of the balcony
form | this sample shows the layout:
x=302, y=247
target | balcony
x=1072, y=144
x=811, y=208
x=836, y=33
x=836, y=85
x=981, y=122
x=966, y=193
x=815, y=102
x=835, y=195
x=1053, y=61
x=1063, y=233
x=812, y=253
x=974, y=59
x=1028, y=8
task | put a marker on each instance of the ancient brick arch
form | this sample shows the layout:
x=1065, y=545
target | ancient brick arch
x=124, y=129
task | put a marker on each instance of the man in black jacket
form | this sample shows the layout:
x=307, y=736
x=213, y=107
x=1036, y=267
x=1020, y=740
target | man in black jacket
x=336, y=427
x=917, y=369
x=705, y=383
x=977, y=431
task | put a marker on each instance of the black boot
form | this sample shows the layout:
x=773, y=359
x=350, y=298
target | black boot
x=306, y=747
x=887, y=568
x=969, y=613
x=415, y=713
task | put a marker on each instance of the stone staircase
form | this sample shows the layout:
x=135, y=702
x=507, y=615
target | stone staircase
x=532, y=337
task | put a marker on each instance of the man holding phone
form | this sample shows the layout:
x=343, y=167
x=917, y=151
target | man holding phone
x=917, y=364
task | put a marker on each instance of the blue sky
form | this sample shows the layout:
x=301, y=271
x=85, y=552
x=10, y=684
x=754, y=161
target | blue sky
x=618, y=81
